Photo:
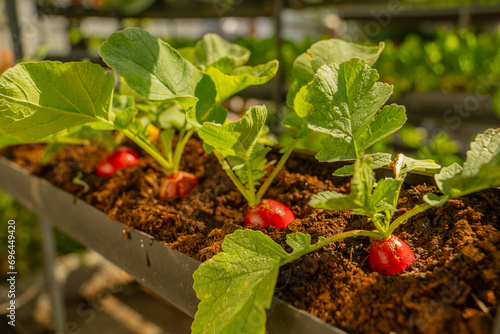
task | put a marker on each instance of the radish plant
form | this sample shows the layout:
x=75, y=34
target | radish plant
x=237, y=285
x=38, y=100
x=157, y=72
x=237, y=147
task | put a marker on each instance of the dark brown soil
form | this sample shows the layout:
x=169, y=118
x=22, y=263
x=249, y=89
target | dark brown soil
x=452, y=287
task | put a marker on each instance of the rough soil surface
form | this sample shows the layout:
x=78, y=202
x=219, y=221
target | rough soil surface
x=452, y=287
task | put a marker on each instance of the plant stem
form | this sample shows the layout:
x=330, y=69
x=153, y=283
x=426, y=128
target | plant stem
x=324, y=242
x=251, y=192
x=275, y=171
x=118, y=139
x=232, y=176
x=344, y=235
x=179, y=148
x=167, y=167
x=381, y=230
x=416, y=210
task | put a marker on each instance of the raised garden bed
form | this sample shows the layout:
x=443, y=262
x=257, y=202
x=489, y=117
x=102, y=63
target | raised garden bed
x=450, y=286
x=208, y=199
x=152, y=263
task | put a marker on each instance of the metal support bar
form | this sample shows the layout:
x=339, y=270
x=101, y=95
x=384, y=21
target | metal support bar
x=496, y=325
x=278, y=7
x=15, y=30
x=55, y=291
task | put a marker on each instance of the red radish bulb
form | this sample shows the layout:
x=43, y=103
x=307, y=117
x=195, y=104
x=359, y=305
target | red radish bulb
x=104, y=168
x=121, y=158
x=124, y=157
x=269, y=212
x=390, y=256
x=177, y=185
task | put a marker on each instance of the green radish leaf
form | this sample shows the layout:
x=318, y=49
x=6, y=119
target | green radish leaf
x=40, y=99
x=333, y=200
x=216, y=114
x=361, y=190
x=236, y=286
x=410, y=164
x=301, y=106
x=171, y=114
x=122, y=102
x=486, y=177
x=335, y=149
x=214, y=51
x=347, y=102
x=241, y=78
x=294, y=121
x=7, y=140
x=436, y=200
x=257, y=163
x=485, y=149
x=239, y=143
x=239, y=138
x=366, y=197
x=302, y=109
x=50, y=150
x=332, y=51
x=154, y=69
x=123, y=118
x=377, y=160
x=481, y=170
x=385, y=196
x=327, y=52
x=447, y=173
x=166, y=138
x=227, y=85
x=187, y=53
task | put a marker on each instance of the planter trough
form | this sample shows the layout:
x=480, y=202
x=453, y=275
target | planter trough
x=165, y=271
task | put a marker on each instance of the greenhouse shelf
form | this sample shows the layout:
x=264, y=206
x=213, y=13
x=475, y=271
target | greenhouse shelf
x=346, y=9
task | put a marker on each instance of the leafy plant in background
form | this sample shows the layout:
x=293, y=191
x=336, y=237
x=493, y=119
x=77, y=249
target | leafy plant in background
x=440, y=148
x=236, y=286
x=452, y=61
